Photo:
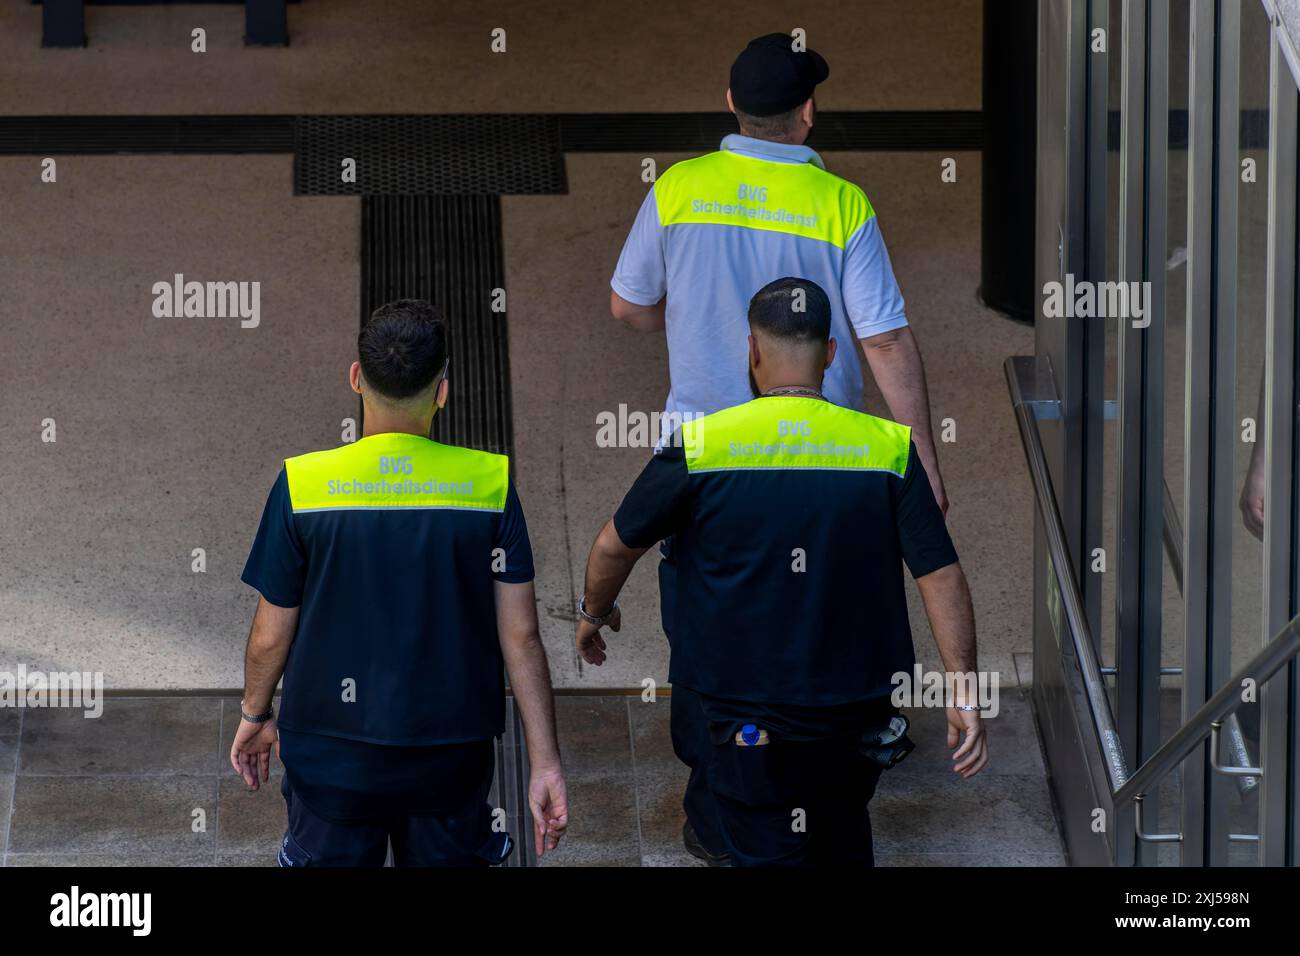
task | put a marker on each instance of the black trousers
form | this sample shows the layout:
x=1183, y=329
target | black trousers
x=689, y=727
x=793, y=802
x=459, y=832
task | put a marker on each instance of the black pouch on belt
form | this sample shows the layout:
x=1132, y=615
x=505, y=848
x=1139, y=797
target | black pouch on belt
x=886, y=744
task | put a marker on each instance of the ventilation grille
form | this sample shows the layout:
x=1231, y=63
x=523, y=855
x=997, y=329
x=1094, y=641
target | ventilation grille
x=413, y=155
x=510, y=788
x=465, y=154
x=99, y=135
x=888, y=130
x=447, y=249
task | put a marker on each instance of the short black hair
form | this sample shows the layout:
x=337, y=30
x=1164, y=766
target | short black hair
x=790, y=308
x=402, y=348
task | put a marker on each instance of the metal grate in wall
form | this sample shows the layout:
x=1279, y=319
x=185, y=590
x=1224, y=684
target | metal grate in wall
x=447, y=249
x=414, y=154
x=101, y=135
x=891, y=130
x=494, y=152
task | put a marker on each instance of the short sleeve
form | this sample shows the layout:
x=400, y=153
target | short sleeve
x=871, y=296
x=922, y=531
x=641, y=276
x=658, y=504
x=277, y=563
x=511, y=544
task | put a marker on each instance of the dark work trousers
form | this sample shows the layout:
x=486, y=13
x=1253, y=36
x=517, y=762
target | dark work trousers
x=793, y=802
x=461, y=835
x=690, y=730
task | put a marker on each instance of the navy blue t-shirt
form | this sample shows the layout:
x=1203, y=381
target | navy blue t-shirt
x=397, y=646
x=789, y=578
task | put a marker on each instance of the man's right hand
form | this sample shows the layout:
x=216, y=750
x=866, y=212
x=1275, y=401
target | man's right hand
x=591, y=646
x=973, y=754
x=550, y=808
x=1252, y=497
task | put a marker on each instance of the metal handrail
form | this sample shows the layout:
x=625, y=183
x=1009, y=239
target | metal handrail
x=1272, y=658
x=1071, y=601
x=1173, y=535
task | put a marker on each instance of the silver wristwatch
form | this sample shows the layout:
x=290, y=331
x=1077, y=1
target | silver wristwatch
x=591, y=618
x=256, y=718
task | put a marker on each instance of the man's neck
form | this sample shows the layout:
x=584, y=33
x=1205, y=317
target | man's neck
x=790, y=140
x=378, y=423
x=793, y=382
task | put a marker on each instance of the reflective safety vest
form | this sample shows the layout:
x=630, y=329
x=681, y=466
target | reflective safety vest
x=397, y=640
x=728, y=223
x=730, y=189
x=787, y=432
x=790, y=575
x=394, y=470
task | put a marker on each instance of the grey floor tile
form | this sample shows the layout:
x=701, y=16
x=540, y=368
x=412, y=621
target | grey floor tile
x=229, y=725
x=679, y=857
x=596, y=746
x=133, y=735
x=137, y=815
x=6, y=798
x=1012, y=739
x=249, y=822
x=997, y=813
x=652, y=734
x=8, y=753
x=594, y=737
x=659, y=801
x=265, y=858
x=9, y=720
x=970, y=859
x=127, y=857
x=602, y=823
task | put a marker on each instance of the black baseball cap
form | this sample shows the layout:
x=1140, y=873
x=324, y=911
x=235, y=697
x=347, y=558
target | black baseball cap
x=770, y=77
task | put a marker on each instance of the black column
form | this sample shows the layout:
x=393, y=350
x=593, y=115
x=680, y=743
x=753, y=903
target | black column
x=1010, y=147
x=266, y=23
x=63, y=23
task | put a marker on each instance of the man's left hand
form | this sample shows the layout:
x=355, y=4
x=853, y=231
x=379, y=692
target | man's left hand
x=250, y=754
x=940, y=495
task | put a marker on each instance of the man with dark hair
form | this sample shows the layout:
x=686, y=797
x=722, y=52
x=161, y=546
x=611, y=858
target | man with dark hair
x=396, y=581
x=711, y=231
x=792, y=519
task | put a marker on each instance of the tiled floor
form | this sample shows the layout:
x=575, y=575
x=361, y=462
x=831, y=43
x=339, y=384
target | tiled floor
x=149, y=783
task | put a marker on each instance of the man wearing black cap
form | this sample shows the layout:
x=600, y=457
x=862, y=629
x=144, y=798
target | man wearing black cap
x=714, y=230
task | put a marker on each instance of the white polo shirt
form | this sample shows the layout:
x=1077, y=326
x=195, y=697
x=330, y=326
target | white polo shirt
x=714, y=230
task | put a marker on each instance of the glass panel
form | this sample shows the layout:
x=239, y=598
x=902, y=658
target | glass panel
x=1242, y=741
x=1110, y=439
x=1174, y=324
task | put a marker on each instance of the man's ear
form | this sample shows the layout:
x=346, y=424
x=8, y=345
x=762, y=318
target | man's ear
x=440, y=396
x=808, y=113
x=354, y=377
x=830, y=352
x=730, y=105
x=754, y=356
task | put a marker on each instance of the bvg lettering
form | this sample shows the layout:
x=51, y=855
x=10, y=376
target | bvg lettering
x=794, y=428
x=756, y=193
x=394, y=466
